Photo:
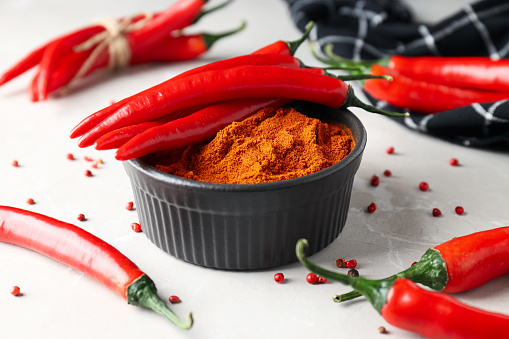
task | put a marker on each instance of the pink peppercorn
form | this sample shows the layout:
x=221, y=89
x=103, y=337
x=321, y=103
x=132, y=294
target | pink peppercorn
x=423, y=186
x=459, y=210
x=129, y=206
x=436, y=212
x=279, y=278
x=15, y=290
x=390, y=150
x=312, y=278
x=15, y=163
x=322, y=280
x=375, y=180
x=372, y=207
x=136, y=227
x=70, y=156
x=454, y=162
x=174, y=299
x=81, y=217
x=30, y=201
x=387, y=173
x=351, y=263
x=88, y=173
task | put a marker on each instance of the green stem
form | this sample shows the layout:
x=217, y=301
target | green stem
x=353, y=101
x=210, y=39
x=430, y=271
x=212, y=9
x=375, y=291
x=294, y=45
x=142, y=292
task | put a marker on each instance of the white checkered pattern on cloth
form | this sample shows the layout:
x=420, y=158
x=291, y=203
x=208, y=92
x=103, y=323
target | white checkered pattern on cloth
x=375, y=29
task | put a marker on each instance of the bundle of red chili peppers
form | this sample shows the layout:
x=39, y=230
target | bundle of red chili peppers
x=430, y=84
x=114, y=44
x=458, y=265
x=193, y=106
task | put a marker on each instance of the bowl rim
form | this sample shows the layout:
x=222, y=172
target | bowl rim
x=171, y=179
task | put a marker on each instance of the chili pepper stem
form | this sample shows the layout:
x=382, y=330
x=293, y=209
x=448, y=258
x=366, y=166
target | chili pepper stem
x=430, y=271
x=353, y=101
x=293, y=45
x=142, y=292
x=212, y=9
x=210, y=39
x=375, y=291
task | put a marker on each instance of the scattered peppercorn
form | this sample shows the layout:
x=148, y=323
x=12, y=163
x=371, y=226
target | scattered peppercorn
x=390, y=150
x=437, y=212
x=387, y=173
x=129, y=206
x=322, y=280
x=15, y=290
x=279, y=278
x=372, y=207
x=70, y=156
x=351, y=263
x=423, y=186
x=454, y=162
x=88, y=158
x=415, y=262
x=15, y=163
x=81, y=217
x=382, y=329
x=88, y=173
x=30, y=201
x=174, y=299
x=353, y=272
x=136, y=227
x=341, y=262
x=312, y=278
x=459, y=210
x=375, y=180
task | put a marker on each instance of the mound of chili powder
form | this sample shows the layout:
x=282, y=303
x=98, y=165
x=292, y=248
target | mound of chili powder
x=271, y=145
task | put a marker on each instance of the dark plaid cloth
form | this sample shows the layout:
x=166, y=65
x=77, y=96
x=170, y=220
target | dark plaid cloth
x=375, y=29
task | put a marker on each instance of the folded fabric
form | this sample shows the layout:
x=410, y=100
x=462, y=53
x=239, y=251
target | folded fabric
x=375, y=29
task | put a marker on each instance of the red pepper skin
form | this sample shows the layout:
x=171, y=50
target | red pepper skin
x=276, y=60
x=192, y=129
x=437, y=315
x=222, y=85
x=118, y=137
x=279, y=47
x=469, y=72
x=69, y=245
x=475, y=259
x=82, y=251
x=423, y=96
x=177, y=16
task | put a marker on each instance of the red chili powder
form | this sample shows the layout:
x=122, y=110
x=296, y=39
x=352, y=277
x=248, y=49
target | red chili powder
x=271, y=145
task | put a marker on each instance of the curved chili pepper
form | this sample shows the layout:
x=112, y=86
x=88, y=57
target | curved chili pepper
x=177, y=16
x=118, y=137
x=425, y=97
x=405, y=305
x=222, y=85
x=270, y=59
x=193, y=129
x=471, y=72
x=182, y=48
x=460, y=264
x=84, y=252
x=286, y=47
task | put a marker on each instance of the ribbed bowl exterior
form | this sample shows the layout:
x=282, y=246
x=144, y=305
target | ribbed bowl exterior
x=242, y=227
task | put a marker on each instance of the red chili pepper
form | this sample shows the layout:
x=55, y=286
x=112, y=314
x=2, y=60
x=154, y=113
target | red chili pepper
x=222, y=85
x=177, y=16
x=285, y=47
x=279, y=60
x=181, y=48
x=425, y=97
x=429, y=313
x=195, y=128
x=84, y=252
x=460, y=264
x=468, y=72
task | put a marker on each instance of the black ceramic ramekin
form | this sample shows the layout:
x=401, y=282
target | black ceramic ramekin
x=248, y=226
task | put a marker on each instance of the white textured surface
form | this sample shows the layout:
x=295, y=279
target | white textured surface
x=59, y=302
